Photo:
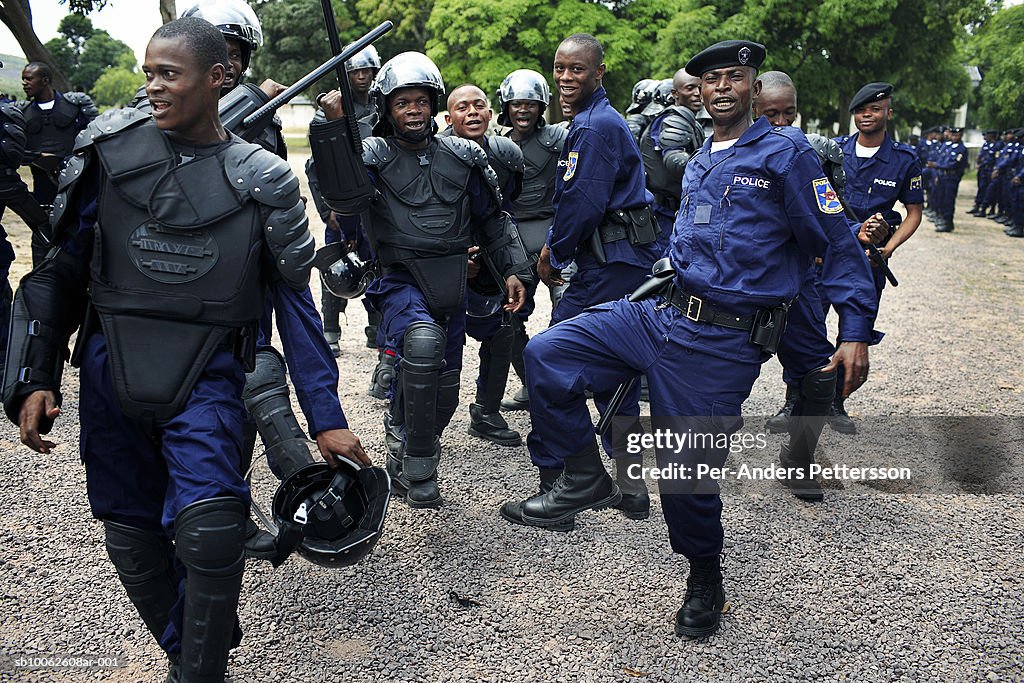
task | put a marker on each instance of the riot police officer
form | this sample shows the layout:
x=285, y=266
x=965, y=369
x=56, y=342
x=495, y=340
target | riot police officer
x=431, y=198
x=602, y=222
x=147, y=271
x=52, y=120
x=666, y=145
x=469, y=115
x=642, y=96
x=694, y=340
x=14, y=193
x=523, y=97
x=360, y=71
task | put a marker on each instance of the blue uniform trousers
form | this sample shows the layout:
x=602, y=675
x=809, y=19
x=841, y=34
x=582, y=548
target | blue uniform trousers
x=143, y=480
x=613, y=342
x=401, y=303
x=984, y=180
x=805, y=345
x=592, y=285
x=946, y=187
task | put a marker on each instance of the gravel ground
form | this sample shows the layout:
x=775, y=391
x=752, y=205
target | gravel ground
x=902, y=582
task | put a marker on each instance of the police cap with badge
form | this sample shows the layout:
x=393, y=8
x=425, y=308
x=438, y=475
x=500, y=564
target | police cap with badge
x=872, y=92
x=727, y=53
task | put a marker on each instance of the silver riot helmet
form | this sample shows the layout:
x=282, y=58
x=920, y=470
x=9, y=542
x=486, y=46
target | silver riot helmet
x=235, y=19
x=522, y=84
x=643, y=92
x=407, y=70
x=367, y=58
x=661, y=97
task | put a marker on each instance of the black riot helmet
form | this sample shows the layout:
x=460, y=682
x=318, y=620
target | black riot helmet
x=342, y=272
x=340, y=511
x=643, y=92
x=235, y=19
x=406, y=70
x=523, y=84
x=367, y=58
x=661, y=97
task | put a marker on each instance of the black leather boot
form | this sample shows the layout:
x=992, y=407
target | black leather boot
x=779, y=423
x=373, y=319
x=521, y=401
x=332, y=307
x=701, y=612
x=838, y=419
x=383, y=374
x=584, y=485
x=636, y=501
x=491, y=427
x=817, y=395
x=513, y=510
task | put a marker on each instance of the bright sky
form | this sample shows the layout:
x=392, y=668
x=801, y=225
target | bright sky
x=130, y=21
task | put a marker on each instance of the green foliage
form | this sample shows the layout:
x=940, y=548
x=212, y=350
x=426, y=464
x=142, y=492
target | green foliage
x=295, y=41
x=83, y=52
x=998, y=48
x=116, y=87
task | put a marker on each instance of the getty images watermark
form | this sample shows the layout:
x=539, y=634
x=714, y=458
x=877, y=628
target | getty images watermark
x=678, y=462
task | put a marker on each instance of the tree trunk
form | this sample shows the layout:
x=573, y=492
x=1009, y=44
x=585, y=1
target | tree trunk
x=17, y=15
x=168, y=12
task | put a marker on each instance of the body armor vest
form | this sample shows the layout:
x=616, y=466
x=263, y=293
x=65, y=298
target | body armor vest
x=540, y=154
x=173, y=280
x=664, y=184
x=421, y=220
x=52, y=131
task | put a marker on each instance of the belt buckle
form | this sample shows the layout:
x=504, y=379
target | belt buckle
x=689, y=308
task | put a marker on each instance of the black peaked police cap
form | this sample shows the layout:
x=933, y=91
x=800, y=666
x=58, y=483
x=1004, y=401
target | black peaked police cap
x=872, y=92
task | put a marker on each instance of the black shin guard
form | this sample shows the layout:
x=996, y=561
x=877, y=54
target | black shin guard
x=209, y=537
x=144, y=566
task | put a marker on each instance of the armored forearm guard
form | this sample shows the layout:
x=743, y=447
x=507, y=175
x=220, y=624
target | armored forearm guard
x=344, y=183
x=43, y=316
x=504, y=249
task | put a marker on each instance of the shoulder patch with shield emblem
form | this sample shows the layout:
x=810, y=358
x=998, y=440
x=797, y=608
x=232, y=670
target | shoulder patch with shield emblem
x=828, y=200
x=915, y=183
x=571, y=162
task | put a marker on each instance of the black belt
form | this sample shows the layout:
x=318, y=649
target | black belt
x=696, y=309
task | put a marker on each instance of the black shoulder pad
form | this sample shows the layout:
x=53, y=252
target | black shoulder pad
x=12, y=135
x=507, y=153
x=109, y=123
x=827, y=149
x=265, y=176
x=79, y=98
x=553, y=136
x=467, y=151
x=141, y=100
x=12, y=113
x=377, y=152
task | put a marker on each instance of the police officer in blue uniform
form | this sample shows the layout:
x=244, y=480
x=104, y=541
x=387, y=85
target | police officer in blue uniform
x=1007, y=164
x=169, y=231
x=805, y=347
x=1016, y=226
x=469, y=117
x=523, y=97
x=949, y=164
x=426, y=199
x=879, y=172
x=603, y=222
x=755, y=208
x=986, y=164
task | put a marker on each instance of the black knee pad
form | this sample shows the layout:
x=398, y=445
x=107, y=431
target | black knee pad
x=139, y=555
x=817, y=390
x=424, y=346
x=209, y=536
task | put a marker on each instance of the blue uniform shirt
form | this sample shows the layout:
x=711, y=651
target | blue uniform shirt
x=873, y=185
x=599, y=170
x=952, y=157
x=987, y=154
x=750, y=217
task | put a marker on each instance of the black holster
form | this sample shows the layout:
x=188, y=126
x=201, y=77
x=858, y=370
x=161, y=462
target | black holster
x=769, y=324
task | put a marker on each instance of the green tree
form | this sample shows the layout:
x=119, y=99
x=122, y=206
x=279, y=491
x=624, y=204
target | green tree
x=84, y=52
x=998, y=48
x=295, y=40
x=410, y=19
x=116, y=87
